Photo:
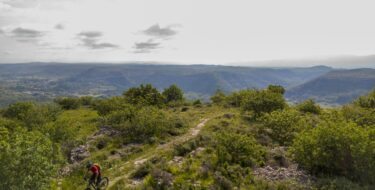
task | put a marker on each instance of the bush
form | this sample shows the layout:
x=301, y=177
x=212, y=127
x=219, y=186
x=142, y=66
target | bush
x=337, y=149
x=218, y=97
x=367, y=101
x=239, y=149
x=309, y=106
x=339, y=184
x=263, y=101
x=173, y=94
x=148, y=123
x=276, y=89
x=197, y=103
x=86, y=100
x=31, y=115
x=27, y=159
x=68, y=103
x=144, y=95
x=284, y=125
x=361, y=116
x=105, y=107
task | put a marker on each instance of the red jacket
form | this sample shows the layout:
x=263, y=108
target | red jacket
x=95, y=169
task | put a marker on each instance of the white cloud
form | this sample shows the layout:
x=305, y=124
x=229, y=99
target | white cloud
x=214, y=31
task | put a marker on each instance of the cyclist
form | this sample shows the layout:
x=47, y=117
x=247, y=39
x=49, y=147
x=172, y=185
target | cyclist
x=96, y=176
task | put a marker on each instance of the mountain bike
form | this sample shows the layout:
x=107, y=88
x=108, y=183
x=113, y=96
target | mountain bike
x=102, y=185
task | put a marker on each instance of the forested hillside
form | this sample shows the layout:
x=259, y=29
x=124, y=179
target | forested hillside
x=45, y=81
x=335, y=87
x=151, y=139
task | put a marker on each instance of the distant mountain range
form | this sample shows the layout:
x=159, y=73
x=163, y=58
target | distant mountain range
x=335, y=87
x=43, y=81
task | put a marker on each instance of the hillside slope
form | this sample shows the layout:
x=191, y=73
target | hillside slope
x=335, y=87
x=197, y=81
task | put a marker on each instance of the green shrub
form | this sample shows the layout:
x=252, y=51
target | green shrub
x=263, y=101
x=144, y=95
x=27, y=159
x=309, y=106
x=197, y=102
x=339, y=183
x=218, y=98
x=68, y=103
x=173, y=94
x=239, y=149
x=276, y=89
x=284, y=125
x=367, y=101
x=337, y=149
x=148, y=123
x=105, y=107
x=31, y=115
x=86, y=100
x=359, y=115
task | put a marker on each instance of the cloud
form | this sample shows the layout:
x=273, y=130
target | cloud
x=90, y=34
x=59, y=27
x=22, y=3
x=26, y=33
x=146, y=47
x=6, y=52
x=91, y=40
x=159, y=32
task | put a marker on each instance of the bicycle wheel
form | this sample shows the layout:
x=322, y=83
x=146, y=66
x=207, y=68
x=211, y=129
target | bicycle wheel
x=104, y=183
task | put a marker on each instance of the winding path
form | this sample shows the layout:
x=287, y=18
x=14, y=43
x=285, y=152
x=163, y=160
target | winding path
x=193, y=132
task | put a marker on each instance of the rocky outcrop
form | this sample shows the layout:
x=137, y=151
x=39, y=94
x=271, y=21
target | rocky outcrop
x=282, y=173
x=79, y=153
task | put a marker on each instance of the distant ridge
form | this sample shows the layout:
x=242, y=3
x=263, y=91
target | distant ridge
x=335, y=87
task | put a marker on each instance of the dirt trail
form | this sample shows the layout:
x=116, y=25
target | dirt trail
x=193, y=132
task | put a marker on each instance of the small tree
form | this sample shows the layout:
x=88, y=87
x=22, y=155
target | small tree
x=367, y=101
x=68, y=103
x=276, y=89
x=309, y=106
x=218, y=97
x=284, y=125
x=29, y=158
x=144, y=95
x=263, y=101
x=337, y=148
x=173, y=94
x=239, y=149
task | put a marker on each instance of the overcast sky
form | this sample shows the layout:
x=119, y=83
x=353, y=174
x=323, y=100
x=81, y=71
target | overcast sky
x=184, y=31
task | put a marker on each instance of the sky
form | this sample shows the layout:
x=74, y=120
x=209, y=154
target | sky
x=185, y=31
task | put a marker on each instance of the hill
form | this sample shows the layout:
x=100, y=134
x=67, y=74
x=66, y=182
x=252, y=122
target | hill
x=48, y=80
x=335, y=87
x=147, y=139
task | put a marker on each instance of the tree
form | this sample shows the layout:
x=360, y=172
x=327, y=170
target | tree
x=239, y=149
x=337, y=148
x=28, y=156
x=68, y=103
x=263, y=101
x=144, y=95
x=276, y=89
x=284, y=125
x=367, y=101
x=105, y=107
x=19, y=110
x=218, y=97
x=32, y=115
x=173, y=94
x=309, y=106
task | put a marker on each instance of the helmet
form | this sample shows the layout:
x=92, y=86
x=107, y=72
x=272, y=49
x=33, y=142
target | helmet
x=89, y=164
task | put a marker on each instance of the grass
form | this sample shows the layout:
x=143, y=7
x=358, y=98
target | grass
x=84, y=122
